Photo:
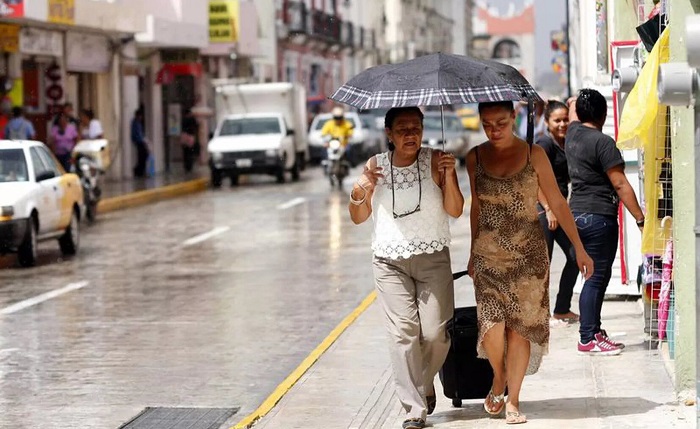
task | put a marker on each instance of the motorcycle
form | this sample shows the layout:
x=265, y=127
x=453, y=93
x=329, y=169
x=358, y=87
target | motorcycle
x=337, y=167
x=89, y=160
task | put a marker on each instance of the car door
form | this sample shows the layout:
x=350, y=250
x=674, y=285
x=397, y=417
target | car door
x=62, y=203
x=45, y=197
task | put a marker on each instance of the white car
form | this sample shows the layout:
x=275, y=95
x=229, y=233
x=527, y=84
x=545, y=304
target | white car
x=38, y=201
x=365, y=140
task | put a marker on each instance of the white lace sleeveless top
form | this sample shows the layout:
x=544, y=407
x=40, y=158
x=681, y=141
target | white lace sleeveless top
x=425, y=231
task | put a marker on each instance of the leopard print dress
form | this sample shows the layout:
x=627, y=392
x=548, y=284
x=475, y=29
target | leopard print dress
x=511, y=265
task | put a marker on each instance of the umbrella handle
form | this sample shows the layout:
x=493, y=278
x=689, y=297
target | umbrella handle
x=530, y=121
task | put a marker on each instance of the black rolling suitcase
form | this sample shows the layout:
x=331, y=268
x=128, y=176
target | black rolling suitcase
x=463, y=375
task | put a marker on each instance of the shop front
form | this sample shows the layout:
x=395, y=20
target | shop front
x=43, y=76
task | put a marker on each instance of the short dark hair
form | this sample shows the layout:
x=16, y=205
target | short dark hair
x=394, y=113
x=17, y=111
x=553, y=105
x=591, y=106
x=507, y=105
x=89, y=113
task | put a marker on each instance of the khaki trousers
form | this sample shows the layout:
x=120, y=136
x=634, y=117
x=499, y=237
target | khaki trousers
x=417, y=295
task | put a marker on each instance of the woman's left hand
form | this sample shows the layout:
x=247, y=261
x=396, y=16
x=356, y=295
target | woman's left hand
x=585, y=264
x=446, y=163
x=551, y=220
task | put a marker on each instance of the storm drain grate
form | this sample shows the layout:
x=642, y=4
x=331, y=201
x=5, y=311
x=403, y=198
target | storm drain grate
x=180, y=418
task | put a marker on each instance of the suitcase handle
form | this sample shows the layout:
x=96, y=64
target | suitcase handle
x=459, y=275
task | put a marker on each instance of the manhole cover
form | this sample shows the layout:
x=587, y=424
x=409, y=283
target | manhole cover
x=180, y=418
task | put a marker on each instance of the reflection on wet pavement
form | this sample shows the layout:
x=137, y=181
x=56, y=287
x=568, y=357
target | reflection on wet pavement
x=218, y=323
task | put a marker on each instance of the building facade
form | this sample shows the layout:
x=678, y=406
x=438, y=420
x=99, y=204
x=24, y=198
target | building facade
x=415, y=28
x=505, y=35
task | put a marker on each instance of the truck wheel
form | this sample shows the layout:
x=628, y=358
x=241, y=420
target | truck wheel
x=280, y=175
x=28, y=249
x=216, y=178
x=296, y=168
x=70, y=239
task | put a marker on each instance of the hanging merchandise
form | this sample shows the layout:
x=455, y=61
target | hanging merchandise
x=640, y=122
x=666, y=286
x=641, y=113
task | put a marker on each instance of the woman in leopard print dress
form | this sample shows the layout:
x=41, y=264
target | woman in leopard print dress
x=509, y=261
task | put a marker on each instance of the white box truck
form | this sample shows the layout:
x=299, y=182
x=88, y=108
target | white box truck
x=261, y=129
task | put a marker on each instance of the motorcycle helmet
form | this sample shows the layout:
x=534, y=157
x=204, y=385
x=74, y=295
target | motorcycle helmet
x=338, y=113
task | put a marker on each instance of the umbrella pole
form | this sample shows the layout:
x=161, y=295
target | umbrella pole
x=442, y=123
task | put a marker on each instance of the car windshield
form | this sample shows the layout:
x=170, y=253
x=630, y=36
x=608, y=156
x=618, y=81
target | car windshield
x=322, y=121
x=236, y=127
x=434, y=123
x=13, y=167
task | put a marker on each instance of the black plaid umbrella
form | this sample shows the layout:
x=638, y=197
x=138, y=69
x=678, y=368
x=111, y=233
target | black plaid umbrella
x=436, y=80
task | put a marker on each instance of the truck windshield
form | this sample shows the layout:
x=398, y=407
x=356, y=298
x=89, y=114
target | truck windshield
x=236, y=127
x=13, y=167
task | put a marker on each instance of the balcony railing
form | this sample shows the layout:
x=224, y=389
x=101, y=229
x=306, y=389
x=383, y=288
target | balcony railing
x=347, y=34
x=325, y=26
x=297, y=18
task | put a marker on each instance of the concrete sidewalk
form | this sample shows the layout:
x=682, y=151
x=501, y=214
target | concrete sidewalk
x=122, y=194
x=351, y=385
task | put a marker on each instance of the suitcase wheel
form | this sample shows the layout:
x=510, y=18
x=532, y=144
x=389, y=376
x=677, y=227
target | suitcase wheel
x=457, y=403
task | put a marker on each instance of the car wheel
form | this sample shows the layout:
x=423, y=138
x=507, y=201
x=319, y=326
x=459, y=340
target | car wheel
x=70, y=239
x=216, y=178
x=28, y=249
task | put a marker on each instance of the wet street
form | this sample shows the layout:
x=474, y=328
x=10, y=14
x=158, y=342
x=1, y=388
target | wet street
x=203, y=301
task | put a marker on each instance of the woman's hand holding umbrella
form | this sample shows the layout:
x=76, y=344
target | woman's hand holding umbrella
x=446, y=166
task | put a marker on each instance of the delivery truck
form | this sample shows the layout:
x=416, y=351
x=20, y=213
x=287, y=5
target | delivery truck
x=261, y=129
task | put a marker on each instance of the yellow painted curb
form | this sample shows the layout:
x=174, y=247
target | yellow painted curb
x=307, y=363
x=147, y=196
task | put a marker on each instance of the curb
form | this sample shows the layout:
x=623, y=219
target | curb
x=305, y=365
x=148, y=196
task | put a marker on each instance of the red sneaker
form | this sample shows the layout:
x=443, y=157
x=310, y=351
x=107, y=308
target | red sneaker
x=598, y=347
x=610, y=340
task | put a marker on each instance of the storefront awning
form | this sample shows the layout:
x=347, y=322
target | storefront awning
x=166, y=75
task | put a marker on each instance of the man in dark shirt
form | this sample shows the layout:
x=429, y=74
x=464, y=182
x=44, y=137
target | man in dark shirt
x=598, y=184
x=138, y=138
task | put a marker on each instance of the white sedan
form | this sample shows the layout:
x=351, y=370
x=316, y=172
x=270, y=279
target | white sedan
x=38, y=201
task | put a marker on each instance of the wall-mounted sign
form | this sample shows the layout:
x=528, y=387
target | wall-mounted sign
x=223, y=21
x=35, y=41
x=89, y=53
x=12, y=8
x=9, y=38
x=62, y=11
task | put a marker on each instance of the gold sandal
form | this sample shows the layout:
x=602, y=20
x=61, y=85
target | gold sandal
x=495, y=399
x=515, y=418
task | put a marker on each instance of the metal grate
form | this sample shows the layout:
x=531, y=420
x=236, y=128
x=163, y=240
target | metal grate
x=180, y=418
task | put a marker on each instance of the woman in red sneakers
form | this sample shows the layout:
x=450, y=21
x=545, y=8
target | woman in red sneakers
x=598, y=184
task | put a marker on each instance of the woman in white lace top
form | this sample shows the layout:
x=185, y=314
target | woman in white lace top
x=410, y=192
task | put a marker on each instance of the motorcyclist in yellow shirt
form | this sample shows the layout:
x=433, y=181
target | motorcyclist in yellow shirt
x=338, y=127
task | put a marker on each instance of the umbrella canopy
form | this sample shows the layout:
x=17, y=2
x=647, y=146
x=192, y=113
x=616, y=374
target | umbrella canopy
x=433, y=80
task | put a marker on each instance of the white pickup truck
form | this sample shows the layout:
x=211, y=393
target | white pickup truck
x=261, y=129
